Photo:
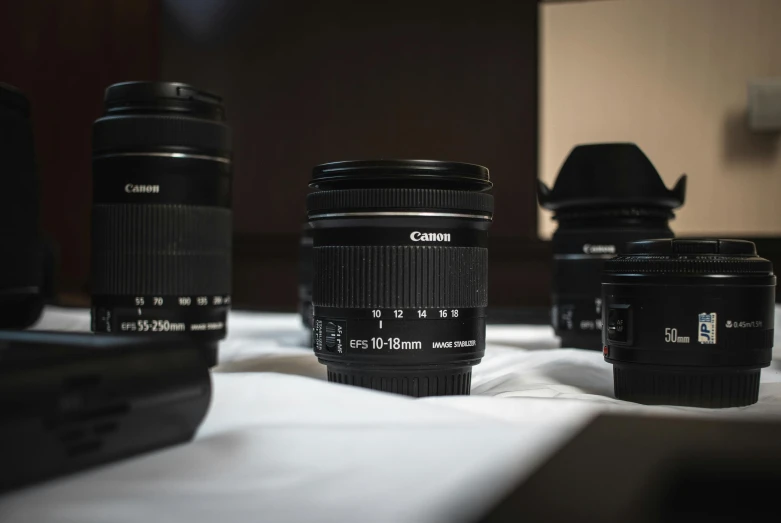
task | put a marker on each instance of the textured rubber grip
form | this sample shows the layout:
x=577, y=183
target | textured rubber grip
x=695, y=265
x=400, y=276
x=443, y=382
x=719, y=389
x=407, y=199
x=161, y=249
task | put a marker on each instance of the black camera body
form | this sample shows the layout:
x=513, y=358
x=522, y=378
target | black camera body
x=72, y=401
x=21, y=264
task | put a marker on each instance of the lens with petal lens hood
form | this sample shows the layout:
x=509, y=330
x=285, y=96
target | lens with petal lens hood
x=605, y=196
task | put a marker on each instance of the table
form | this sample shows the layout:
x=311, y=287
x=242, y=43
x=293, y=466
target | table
x=281, y=444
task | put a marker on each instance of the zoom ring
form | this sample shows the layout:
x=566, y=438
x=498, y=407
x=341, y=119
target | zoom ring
x=408, y=199
x=400, y=277
x=173, y=250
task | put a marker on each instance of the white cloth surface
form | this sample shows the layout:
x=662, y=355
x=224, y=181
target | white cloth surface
x=280, y=444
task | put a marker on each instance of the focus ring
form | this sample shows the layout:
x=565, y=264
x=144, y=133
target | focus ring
x=400, y=277
x=407, y=199
x=695, y=265
x=142, y=132
x=446, y=382
x=161, y=249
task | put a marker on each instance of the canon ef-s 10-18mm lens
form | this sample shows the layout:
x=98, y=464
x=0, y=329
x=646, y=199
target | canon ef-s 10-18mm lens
x=400, y=273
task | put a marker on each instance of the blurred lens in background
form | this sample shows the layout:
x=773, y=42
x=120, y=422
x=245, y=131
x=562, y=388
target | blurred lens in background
x=305, y=276
x=605, y=196
x=161, y=216
x=21, y=263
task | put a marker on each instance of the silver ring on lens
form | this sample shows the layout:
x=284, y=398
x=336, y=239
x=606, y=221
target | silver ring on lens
x=170, y=155
x=393, y=213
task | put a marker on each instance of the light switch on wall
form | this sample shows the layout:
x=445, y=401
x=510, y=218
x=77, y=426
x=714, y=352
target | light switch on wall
x=764, y=104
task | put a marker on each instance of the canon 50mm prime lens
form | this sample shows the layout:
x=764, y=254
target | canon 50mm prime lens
x=605, y=196
x=688, y=322
x=21, y=264
x=161, y=216
x=400, y=273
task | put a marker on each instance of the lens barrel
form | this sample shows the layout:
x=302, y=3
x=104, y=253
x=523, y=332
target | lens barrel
x=21, y=265
x=161, y=216
x=400, y=273
x=605, y=196
x=688, y=322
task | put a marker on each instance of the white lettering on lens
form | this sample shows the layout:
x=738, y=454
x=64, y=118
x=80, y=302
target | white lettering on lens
x=132, y=188
x=599, y=249
x=417, y=236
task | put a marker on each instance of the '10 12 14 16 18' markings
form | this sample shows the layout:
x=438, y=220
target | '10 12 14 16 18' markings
x=421, y=313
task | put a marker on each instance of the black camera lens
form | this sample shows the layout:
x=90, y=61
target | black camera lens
x=161, y=215
x=305, y=276
x=21, y=265
x=605, y=196
x=400, y=265
x=688, y=322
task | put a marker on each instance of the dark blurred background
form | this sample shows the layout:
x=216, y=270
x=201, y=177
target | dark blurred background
x=304, y=83
x=511, y=85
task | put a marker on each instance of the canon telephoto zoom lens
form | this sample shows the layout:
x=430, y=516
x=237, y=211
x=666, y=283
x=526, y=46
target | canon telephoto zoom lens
x=400, y=264
x=688, y=322
x=21, y=265
x=161, y=216
x=605, y=196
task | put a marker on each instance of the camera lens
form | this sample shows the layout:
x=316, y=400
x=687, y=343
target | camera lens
x=688, y=322
x=305, y=276
x=21, y=265
x=161, y=215
x=400, y=264
x=605, y=196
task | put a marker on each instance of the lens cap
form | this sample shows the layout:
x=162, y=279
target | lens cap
x=695, y=247
x=610, y=174
x=163, y=96
x=402, y=171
